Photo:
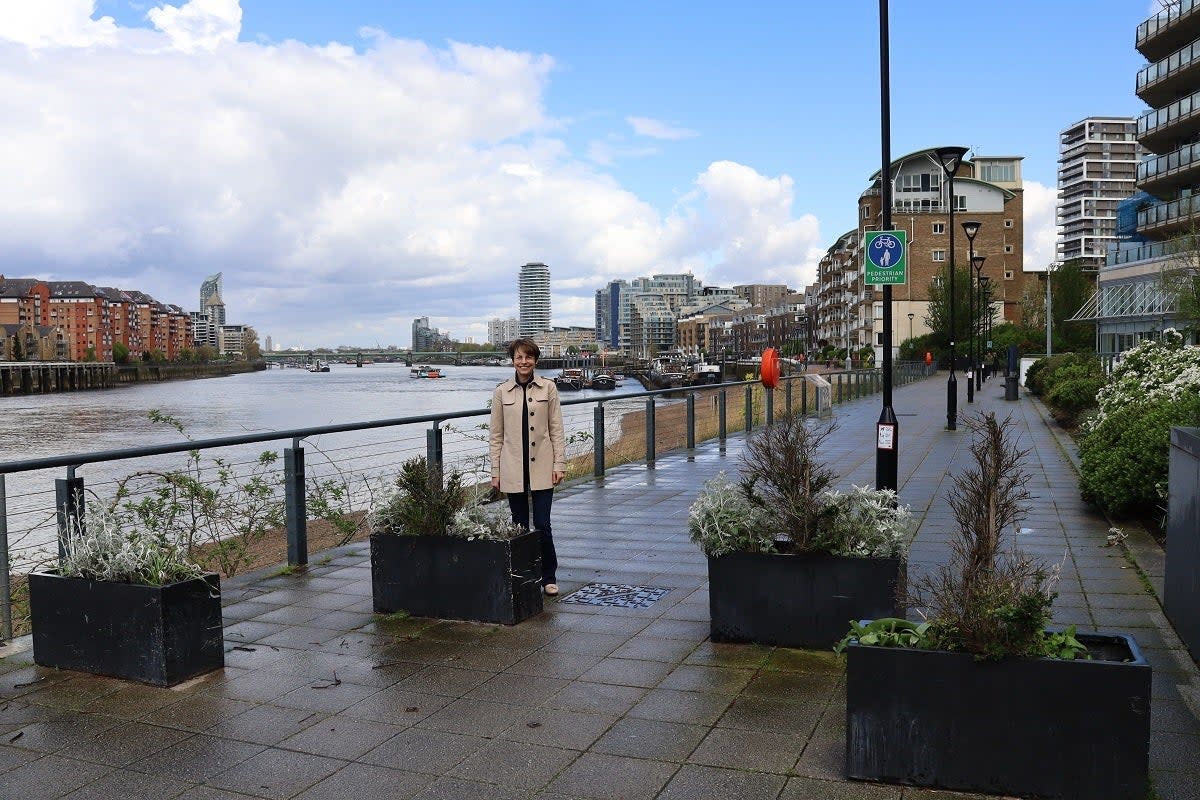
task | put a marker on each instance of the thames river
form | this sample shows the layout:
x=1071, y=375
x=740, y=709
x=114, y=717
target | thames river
x=258, y=402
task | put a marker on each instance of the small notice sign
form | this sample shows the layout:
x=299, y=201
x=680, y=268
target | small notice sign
x=885, y=436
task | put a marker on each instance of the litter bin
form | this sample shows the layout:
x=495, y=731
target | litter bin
x=1011, y=373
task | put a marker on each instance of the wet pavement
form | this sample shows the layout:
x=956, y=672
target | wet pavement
x=620, y=697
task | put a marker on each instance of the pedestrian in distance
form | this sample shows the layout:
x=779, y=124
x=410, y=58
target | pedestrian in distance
x=528, y=449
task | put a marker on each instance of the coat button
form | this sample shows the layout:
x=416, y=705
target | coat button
x=531, y=458
x=531, y=413
x=531, y=427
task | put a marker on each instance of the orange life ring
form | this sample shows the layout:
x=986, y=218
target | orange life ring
x=769, y=370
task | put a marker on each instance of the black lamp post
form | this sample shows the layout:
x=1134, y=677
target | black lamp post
x=950, y=159
x=985, y=308
x=910, y=319
x=887, y=429
x=977, y=264
x=971, y=229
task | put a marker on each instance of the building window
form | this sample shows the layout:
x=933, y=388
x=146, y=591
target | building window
x=997, y=172
x=1008, y=223
x=1008, y=274
x=939, y=255
x=879, y=338
x=1008, y=248
x=939, y=227
x=937, y=281
x=866, y=212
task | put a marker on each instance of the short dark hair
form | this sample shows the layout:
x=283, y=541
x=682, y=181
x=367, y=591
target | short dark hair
x=526, y=344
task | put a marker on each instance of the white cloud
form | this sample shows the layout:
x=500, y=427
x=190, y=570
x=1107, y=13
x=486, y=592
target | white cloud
x=199, y=24
x=1041, y=227
x=342, y=192
x=56, y=23
x=656, y=129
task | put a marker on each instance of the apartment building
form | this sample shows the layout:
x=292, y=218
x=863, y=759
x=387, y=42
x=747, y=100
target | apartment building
x=761, y=294
x=987, y=189
x=559, y=341
x=1097, y=169
x=503, y=331
x=1130, y=303
x=533, y=286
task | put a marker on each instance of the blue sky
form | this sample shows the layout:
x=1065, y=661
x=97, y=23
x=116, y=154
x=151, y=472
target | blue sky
x=352, y=165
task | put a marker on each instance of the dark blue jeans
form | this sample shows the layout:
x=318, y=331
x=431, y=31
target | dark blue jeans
x=519, y=505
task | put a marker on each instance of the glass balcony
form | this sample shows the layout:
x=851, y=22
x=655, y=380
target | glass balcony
x=1167, y=213
x=1158, y=32
x=1155, y=121
x=1172, y=64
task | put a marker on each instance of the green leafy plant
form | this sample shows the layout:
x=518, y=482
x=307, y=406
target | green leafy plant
x=785, y=501
x=420, y=502
x=887, y=632
x=480, y=521
x=107, y=545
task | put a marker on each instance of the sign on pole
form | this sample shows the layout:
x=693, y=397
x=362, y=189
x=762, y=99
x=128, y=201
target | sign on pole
x=886, y=257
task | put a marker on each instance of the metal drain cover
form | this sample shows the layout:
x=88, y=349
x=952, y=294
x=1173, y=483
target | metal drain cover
x=615, y=595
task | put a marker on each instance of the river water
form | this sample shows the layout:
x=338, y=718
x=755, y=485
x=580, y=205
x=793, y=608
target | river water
x=257, y=402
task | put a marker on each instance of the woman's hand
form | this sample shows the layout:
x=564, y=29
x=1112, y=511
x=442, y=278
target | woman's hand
x=558, y=476
x=496, y=483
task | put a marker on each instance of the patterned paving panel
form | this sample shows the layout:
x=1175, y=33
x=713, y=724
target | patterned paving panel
x=616, y=595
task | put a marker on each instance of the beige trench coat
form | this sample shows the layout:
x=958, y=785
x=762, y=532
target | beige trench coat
x=547, y=445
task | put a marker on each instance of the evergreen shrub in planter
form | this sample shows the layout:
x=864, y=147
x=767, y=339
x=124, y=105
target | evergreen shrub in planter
x=790, y=560
x=980, y=696
x=438, y=552
x=128, y=604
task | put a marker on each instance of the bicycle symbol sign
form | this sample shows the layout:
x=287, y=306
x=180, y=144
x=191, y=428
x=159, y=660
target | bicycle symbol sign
x=886, y=253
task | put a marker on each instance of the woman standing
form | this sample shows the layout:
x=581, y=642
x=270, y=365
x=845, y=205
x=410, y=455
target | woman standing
x=528, y=449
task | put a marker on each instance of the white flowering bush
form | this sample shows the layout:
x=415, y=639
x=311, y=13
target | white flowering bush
x=109, y=546
x=1125, y=453
x=861, y=522
x=864, y=522
x=479, y=521
x=723, y=520
x=1154, y=370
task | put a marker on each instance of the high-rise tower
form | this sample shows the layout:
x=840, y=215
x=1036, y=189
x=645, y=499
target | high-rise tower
x=1097, y=167
x=534, y=286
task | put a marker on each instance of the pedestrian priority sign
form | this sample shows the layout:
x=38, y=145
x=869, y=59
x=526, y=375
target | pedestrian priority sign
x=886, y=257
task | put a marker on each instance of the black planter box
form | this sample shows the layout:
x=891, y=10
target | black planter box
x=160, y=635
x=1031, y=727
x=804, y=600
x=449, y=577
x=1181, y=576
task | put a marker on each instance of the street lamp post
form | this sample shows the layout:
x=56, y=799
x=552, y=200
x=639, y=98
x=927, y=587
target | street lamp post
x=1049, y=306
x=985, y=307
x=910, y=319
x=971, y=229
x=950, y=158
x=887, y=429
x=977, y=264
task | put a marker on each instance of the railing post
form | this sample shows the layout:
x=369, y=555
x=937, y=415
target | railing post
x=295, y=504
x=598, y=440
x=770, y=407
x=804, y=396
x=433, y=452
x=839, y=391
x=749, y=408
x=69, y=505
x=787, y=397
x=691, y=421
x=5, y=587
x=649, y=431
x=721, y=430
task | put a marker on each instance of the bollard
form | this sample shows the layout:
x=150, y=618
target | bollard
x=69, y=507
x=295, y=504
x=649, y=431
x=598, y=441
x=721, y=400
x=691, y=421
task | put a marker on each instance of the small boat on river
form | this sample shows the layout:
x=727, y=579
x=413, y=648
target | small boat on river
x=570, y=380
x=318, y=366
x=603, y=381
x=424, y=371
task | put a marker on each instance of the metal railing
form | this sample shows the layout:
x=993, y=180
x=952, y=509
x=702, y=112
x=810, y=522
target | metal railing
x=602, y=432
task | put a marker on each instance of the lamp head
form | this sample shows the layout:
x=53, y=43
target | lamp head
x=977, y=263
x=971, y=228
x=910, y=316
x=950, y=159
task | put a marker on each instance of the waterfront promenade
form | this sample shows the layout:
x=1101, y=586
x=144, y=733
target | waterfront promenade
x=322, y=699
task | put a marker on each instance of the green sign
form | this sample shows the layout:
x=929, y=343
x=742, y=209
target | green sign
x=886, y=260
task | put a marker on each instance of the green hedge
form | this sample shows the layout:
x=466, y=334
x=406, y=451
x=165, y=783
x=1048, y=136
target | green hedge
x=1125, y=460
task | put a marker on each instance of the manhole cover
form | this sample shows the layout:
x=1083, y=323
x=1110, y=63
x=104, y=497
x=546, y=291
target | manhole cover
x=617, y=595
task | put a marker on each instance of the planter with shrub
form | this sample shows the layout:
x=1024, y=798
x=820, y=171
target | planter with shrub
x=438, y=552
x=981, y=696
x=127, y=604
x=791, y=560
